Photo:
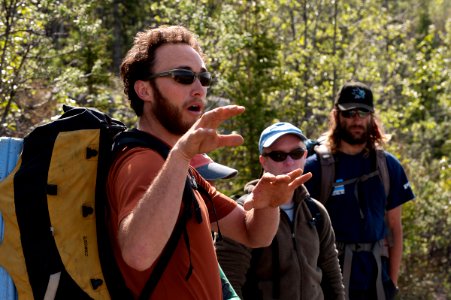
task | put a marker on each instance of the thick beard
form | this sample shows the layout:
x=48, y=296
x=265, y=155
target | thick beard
x=349, y=138
x=168, y=115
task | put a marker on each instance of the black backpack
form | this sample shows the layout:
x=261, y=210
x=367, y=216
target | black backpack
x=54, y=208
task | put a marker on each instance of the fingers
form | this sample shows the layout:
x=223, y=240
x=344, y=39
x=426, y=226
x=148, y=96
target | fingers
x=208, y=140
x=202, y=137
x=298, y=181
x=274, y=190
x=248, y=205
x=291, y=177
x=213, y=118
x=231, y=140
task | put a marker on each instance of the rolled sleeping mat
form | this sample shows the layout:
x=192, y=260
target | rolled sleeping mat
x=10, y=149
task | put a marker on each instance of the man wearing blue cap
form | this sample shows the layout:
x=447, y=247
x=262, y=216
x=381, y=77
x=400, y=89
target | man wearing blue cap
x=364, y=184
x=301, y=262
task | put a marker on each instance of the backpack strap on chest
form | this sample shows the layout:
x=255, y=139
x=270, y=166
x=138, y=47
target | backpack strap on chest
x=137, y=138
x=381, y=162
x=327, y=171
x=317, y=219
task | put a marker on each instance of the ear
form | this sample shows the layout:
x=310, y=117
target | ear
x=262, y=161
x=143, y=90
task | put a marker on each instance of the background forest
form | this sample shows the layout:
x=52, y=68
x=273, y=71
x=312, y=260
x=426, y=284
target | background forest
x=283, y=60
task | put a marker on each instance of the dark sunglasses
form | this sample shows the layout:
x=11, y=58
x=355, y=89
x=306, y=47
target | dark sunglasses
x=185, y=76
x=349, y=114
x=279, y=156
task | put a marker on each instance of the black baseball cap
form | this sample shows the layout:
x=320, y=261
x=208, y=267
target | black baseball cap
x=355, y=95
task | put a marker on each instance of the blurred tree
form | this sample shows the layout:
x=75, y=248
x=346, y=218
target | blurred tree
x=51, y=52
x=283, y=60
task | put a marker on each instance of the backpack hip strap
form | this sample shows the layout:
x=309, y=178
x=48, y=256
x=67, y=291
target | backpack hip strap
x=378, y=249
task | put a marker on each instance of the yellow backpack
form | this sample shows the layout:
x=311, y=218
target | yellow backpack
x=55, y=243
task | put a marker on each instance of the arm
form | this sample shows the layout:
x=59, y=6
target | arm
x=159, y=206
x=395, y=250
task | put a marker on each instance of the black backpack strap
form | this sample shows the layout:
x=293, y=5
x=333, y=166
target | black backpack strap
x=327, y=161
x=317, y=219
x=137, y=138
x=169, y=249
x=381, y=162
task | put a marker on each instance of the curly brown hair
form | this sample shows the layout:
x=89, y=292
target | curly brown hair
x=140, y=59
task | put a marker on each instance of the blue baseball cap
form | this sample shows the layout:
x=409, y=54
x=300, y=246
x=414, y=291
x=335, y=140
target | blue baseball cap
x=275, y=131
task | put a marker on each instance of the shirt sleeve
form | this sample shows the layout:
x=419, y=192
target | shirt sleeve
x=400, y=189
x=218, y=204
x=313, y=184
x=131, y=175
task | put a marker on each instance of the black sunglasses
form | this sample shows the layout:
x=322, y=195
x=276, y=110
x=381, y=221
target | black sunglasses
x=185, y=76
x=279, y=156
x=349, y=114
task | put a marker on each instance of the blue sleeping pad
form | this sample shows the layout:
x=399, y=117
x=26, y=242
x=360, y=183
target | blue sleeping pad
x=10, y=149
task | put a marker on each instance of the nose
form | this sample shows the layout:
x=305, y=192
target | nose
x=289, y=160
x=197, y=89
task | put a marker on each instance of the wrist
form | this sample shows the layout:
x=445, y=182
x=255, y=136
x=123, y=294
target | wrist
x=179, y=154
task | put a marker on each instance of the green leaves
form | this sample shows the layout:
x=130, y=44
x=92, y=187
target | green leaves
x=283, y=60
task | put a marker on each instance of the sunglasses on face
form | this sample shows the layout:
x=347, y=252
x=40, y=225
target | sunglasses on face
x=279, y=156
x=349, y=114
x=185, y=76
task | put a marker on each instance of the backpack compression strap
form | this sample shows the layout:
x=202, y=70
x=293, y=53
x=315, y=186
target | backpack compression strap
x=137, y=138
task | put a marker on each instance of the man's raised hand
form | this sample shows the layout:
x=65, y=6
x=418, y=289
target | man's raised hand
x=272, y=190
x=203, y=137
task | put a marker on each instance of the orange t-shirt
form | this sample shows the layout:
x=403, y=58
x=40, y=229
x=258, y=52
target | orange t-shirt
x=129, y=178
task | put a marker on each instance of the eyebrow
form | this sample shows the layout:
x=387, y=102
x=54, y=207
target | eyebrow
x=287, y=151
x=191, y=69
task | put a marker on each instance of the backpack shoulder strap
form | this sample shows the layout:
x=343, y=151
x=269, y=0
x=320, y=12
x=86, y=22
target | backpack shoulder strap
x=317, y=219
x=327, y=171
x=166, y=254
x=381, y=161
x=137, y=138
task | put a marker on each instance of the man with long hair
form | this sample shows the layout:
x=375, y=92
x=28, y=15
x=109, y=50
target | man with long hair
x=365, y=215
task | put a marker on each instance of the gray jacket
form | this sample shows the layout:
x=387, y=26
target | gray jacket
x=306, y=258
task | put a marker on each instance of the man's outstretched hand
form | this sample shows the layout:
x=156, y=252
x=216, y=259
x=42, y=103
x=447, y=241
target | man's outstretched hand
x=203, y=136
x=272, y=190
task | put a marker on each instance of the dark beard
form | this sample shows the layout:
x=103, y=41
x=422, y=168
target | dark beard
x=167, y=114
x=347, y=136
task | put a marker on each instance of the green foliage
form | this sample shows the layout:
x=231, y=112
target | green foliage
x=52, y=53
x=282, y=60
